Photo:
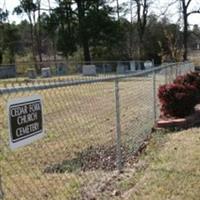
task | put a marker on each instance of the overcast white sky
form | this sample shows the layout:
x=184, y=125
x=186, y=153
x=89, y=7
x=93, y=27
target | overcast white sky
x=158, y=7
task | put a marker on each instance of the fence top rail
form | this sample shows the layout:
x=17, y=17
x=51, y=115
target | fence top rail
x=64, y=83
x=74, y=62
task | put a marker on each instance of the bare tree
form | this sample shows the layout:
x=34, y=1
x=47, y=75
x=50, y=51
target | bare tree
x=38, y=32
x=53, y=41
x=186, y=12
x=29, y=7
x=142, y=8
x=33, y=10
x=172, y=38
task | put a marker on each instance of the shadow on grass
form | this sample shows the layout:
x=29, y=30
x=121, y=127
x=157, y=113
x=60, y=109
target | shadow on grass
x=171, y=130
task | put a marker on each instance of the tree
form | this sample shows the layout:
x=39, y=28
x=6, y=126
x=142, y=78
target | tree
x=142, y=8
x=107, y=36
x=29, y=7
x=66, y=27
x=173, y=41
x=186, y=12
x=9, y=38
x=49, y=25
x=162, y=40
x=38, y=33
x=81, y=23
x=82, y=7
x=86, y=9
x=3, y=18
x=32, y=9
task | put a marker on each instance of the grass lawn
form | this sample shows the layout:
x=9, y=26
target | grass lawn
x=75, y=158
x=169, y=169
x=78, y=150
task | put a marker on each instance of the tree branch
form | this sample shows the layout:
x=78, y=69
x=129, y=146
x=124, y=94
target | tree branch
x=194, y=12
x=46, y=9
x=188, y=3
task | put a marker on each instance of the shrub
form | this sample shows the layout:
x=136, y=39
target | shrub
x=177, y=100
x=192, y=78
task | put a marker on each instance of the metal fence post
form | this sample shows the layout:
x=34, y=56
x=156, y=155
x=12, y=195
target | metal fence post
x=180, y=69
x=118, y=127
x=165, y=75
x=193, y=67
x=171, y=74
x=176, y=70
x=154, y=98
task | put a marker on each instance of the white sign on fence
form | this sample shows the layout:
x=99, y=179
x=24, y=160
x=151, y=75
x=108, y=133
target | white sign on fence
x=25, y=120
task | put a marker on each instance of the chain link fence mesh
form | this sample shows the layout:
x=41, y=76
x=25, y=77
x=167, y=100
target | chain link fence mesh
x=93, y=125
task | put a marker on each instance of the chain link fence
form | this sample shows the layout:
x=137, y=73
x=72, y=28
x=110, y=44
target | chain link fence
x=73, y=69
x=94, y=125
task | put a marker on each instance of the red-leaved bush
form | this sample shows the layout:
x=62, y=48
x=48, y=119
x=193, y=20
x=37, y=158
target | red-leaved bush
x=178, y=100
x=192, y=78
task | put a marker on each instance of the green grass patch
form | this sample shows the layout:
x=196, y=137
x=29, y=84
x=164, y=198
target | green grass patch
x=172, y=169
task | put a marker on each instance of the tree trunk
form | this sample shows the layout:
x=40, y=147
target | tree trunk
x=142, y=12
x=1, y=57
x=82, y=31
x=32, y=40
x=33, y=47
x=54, y=52
x=38, y=34
x=117, y=9
x=141, y=45
x=185, y=36
x=86, y=51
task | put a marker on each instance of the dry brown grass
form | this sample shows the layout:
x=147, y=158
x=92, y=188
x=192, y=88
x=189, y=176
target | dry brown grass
x=172, y=169
x=78, y=119
x=195, y=57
